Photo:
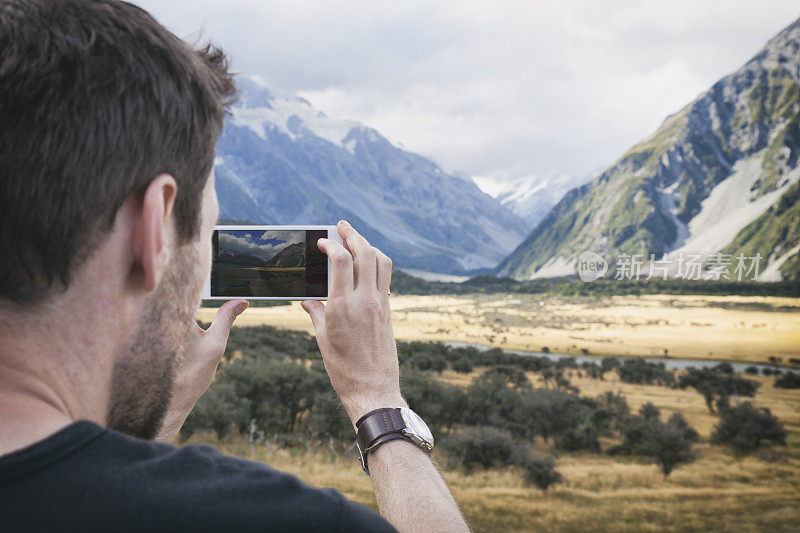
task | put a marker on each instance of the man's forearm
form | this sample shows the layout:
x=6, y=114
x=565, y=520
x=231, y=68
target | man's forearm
x=410, y=492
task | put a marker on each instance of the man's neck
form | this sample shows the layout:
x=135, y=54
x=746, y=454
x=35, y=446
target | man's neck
x=55, y=368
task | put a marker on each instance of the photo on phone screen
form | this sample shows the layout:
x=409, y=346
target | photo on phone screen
x=268, y=263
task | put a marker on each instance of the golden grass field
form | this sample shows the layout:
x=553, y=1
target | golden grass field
x=717, y=492
x=734, y=328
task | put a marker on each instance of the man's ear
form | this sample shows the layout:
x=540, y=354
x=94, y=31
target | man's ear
x=154, y=231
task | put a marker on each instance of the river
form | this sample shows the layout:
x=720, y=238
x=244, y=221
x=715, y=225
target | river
x=673, y=363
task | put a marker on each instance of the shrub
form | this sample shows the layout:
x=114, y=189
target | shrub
x=485, y=447
x=540, y=471
x=641, y=372
x=670, y=443
x=580, y=438
x=463, y=365
x=716, y=388
x=549, y=413
x=790, y=380
x=218, y=409
x=752, y=370
x=611, y=413
x=438, y=403
x=746, y=427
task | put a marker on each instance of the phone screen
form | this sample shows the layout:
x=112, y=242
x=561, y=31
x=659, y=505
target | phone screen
x=275, y=263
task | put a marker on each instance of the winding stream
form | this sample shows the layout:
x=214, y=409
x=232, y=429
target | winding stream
x=672, y=363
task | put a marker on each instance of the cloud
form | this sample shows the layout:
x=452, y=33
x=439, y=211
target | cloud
x=502, y=89
x=244, y=243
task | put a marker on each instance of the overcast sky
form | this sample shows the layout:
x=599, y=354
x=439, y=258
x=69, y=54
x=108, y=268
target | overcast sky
x=492, y=88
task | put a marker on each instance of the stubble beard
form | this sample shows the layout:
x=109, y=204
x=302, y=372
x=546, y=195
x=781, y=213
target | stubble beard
x=143, y=374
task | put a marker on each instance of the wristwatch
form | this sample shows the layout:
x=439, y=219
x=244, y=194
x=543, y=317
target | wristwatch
x=390, y=423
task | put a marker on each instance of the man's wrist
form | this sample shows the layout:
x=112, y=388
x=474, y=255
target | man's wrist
x=356, y=408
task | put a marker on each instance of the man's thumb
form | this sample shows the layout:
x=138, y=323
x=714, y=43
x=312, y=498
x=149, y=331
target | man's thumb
x=316, y=311
x=221, y=325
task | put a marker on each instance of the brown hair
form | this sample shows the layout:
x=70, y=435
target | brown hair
x=96, y=99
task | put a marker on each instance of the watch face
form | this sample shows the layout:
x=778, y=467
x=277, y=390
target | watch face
x=415, y=426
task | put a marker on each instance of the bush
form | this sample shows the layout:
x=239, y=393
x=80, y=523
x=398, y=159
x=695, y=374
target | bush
x=611, y=414
x=540, y=471
x=746, y=427
x=752, y=370
x=670, y=443
x=580, y=438
x=485, y=447
x=549, y=413
x=218, y=409
x=790, y=380
x=715, y=387
x=641, y=372
x=438, y=403
x=463, y=365
x=723, y=368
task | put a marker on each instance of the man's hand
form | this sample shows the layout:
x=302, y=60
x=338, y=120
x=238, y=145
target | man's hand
x=355, y=336
x=354, y=329
x=195, y=370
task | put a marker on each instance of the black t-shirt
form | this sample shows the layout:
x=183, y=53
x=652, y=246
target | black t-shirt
x=86, y=478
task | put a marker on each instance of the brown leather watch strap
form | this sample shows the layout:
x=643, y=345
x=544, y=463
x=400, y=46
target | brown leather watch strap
x=378, y=423
x=377, y=427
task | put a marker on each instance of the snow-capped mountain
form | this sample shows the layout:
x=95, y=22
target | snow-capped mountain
x=720, y=176
x=280, y=161
x=531, y=197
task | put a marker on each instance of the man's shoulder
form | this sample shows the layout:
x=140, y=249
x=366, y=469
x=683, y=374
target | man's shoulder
x=196, y=485
x=117, y=482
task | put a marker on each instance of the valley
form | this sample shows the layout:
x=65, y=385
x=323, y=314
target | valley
x=726, y=328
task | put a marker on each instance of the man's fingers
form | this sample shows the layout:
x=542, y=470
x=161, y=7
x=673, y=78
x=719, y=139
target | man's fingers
x=316, y=310
x=341, y=267
x=220, y=327
x=365, y=256
x=384, y=273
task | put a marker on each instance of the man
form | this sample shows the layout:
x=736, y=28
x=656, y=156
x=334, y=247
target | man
x=107, y=130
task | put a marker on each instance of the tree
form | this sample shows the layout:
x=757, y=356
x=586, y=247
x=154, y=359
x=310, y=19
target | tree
x=549, y=413
x=540, y=471
x=485, y=447
x=218, y=409
x=462, y=365
x=641, y=372
x=280, y=391
x=716, y=388
x=439, y=404
x=611, y=414
x=746, y=427
x=790, y=380
x=669, y=443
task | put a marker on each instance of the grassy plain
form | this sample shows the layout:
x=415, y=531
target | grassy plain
x=717, y=492
x=733, y=328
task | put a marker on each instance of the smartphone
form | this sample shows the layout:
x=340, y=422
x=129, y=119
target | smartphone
x=269, y=263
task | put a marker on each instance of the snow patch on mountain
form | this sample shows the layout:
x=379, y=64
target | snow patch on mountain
x=729, y=208
x=668, y=201
x=555, y=267
x=530, y=197
x=773, y=272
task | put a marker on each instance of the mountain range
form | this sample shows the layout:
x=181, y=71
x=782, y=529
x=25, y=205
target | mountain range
x=720, y=176
x=280, y=161
x=293, y=255
x=531, y=198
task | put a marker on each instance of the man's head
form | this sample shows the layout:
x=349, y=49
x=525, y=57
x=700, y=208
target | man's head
x=108, y=124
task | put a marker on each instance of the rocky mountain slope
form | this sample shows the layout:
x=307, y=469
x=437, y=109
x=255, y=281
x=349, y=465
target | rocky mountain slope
x=293, y=255
x=280, y=161
x=717, y=176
